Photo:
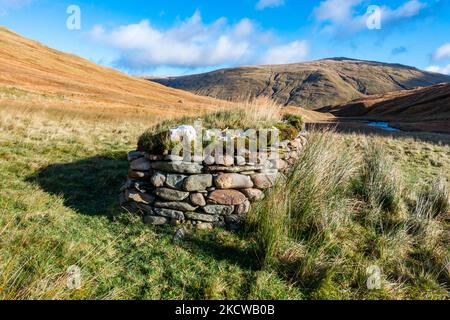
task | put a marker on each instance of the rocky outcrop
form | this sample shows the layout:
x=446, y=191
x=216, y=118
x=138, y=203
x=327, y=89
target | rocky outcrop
x=205, y=194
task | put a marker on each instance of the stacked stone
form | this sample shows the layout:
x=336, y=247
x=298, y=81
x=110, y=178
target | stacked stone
x=203, y=194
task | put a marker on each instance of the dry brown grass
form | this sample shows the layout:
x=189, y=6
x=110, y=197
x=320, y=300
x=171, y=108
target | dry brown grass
x=74, y=83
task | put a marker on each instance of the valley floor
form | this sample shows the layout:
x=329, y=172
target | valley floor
x=59, y=179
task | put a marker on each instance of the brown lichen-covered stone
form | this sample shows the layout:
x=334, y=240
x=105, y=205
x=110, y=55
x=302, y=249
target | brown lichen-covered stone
x=158, y=180
x=227, y=197
x=253, y=194
x=233, y=181
x=197, y=199
x=263, y=180
x=242, y=208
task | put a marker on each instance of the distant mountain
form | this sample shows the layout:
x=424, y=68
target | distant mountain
x=311, y=85
x=31, y=66
x=425, y=109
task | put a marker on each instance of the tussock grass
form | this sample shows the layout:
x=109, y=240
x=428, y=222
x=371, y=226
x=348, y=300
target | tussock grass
x=378, y=182
x=317, y=184
x=348, y=210
x=433, y=200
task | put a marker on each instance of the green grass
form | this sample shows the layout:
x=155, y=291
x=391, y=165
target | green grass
x=59, y=182
x=59, y=185
x=346, y=211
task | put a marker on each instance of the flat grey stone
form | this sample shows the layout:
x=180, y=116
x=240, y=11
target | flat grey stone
x=198, y=182
x=178, y=167
x=201, y=217
x=175, y=181
x=140, y=164
x=133, y=155
x=180, y=206
x=171, y=195
x=168, y=213
x=236, y=169
x=218, y=209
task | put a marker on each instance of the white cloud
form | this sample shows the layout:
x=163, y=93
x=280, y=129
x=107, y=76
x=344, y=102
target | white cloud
x=438, y=69
x=263, y=4
x=295, y=51
x=335, y=11
x=442, y=52
x=195, y=44
x=341, y=17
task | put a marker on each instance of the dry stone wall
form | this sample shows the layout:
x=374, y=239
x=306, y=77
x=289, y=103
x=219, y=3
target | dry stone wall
x=204, y=194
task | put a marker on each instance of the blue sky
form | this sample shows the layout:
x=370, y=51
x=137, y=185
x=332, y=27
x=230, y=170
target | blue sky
x=176, y=37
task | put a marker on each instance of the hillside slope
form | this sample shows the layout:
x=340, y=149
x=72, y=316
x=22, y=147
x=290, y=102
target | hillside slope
x=427, y=107
x=311, y=85
x=30, y=66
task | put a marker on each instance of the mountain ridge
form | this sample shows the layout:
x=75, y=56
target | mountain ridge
x=311, y=85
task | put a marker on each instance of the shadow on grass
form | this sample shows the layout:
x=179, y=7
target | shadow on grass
x=243, y=257
x=88, y=186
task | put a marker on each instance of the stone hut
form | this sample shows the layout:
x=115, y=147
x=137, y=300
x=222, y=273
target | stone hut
x=207, y=192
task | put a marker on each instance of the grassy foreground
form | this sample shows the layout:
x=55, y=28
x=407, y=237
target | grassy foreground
x=59, y=180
